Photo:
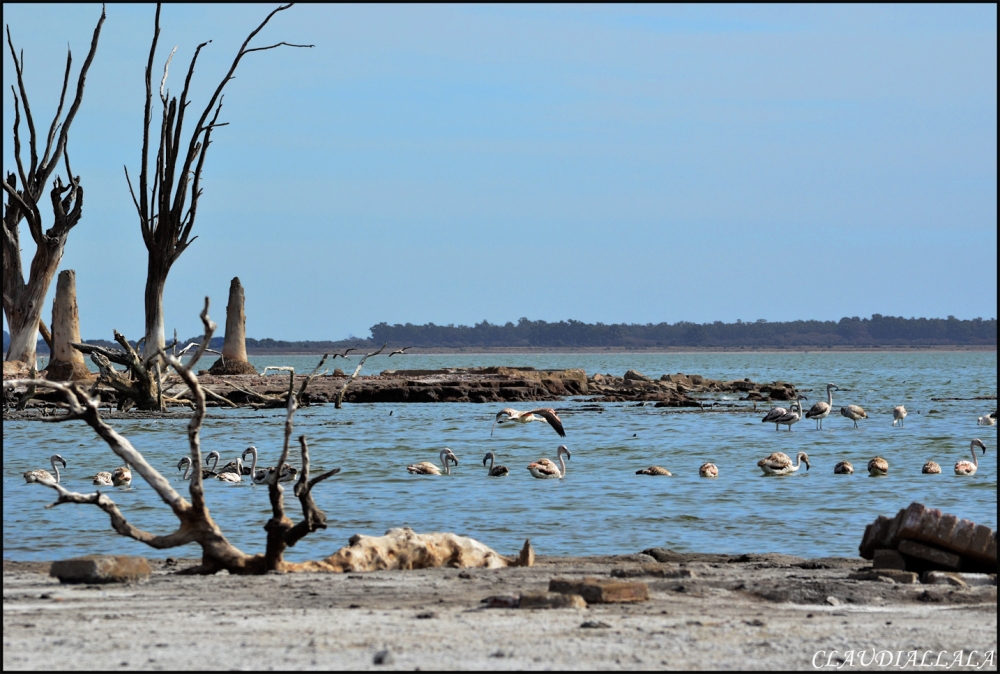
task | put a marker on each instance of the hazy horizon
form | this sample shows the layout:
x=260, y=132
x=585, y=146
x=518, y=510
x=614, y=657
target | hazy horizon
x=461, y=163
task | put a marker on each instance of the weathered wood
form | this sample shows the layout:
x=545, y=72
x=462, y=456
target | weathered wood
x=234, y=347
x=66, y=363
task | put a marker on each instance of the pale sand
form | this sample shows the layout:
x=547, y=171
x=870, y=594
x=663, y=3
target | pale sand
x=731, y=616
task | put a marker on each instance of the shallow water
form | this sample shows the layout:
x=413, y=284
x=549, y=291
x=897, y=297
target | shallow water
x=601, y=507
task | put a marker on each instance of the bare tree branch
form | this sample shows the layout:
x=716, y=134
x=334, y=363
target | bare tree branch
x=340, y=395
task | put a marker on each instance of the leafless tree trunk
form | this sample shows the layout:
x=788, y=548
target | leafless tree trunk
x=22, y=302
x=66, y=363
x=167, y=206
x=234, y=348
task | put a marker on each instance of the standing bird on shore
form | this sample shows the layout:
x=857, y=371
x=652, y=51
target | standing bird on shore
x=792, y=416
x=970, y=467
x=494, y=471
x=263, y=476
x=43, y=475
x=878, y=467
x=654, y=470
x=843, y=468
x=546, y=414
x=545, y=469
x=773, y=416
x=185, y=465
x=234, y=476
x=931, y=468
x=428, y=468
x=708, y=470
x=853, y=412
x=898, y=414
x=778, y=463
x=821, y=410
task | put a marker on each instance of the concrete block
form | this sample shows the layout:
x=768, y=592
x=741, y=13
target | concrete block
x=943, y=578
x=933, y=556
x=551, y=600
x=94, y=569
x=888, y=559
x=602, y=590
x=895, y=575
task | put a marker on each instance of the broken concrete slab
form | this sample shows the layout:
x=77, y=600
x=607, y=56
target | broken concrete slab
x=895, y=575
x=888, y=559
x=943, y=578
x=94, y=569
x=601, y=590
x=935, y=557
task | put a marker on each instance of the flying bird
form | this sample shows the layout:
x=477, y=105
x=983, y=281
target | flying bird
x=546, y=413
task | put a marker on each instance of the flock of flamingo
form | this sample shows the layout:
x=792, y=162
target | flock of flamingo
x=778, y=463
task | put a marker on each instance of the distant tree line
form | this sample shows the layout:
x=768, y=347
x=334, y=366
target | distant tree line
x=875, y=331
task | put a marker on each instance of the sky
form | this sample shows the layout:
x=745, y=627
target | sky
x=622, y=164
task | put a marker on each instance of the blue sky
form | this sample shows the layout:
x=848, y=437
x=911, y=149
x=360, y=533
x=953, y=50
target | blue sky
x=452, y=164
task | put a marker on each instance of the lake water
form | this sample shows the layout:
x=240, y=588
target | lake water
x=601, y=507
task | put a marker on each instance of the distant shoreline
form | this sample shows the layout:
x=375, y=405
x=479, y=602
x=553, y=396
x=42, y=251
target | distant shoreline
x=514, y=350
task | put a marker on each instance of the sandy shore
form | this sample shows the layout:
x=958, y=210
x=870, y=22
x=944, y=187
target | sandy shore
x=754, y=611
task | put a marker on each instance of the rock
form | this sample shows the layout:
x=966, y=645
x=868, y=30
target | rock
x=551, y=600
x=933, y=556
x=502, y=601
x=943, y=578
x=594, y=624
x=664, y=554
x=383, y=657
x=833, y=601
x=601, y=591
x=651, y=570
x=888, y=559
x=635, y=375
x=101, y=569
x=895, y=575
x=979, y=579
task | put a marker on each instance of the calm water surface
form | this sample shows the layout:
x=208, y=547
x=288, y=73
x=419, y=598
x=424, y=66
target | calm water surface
x=601, y=507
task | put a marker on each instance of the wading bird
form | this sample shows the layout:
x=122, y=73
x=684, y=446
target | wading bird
x=986, y=421
x=931, y=468
x=778, y=463
x=231, y=466
x=793, y=415
x=234, y=476
x=121, y=476
x=773, y=416
x=103, y=479
x=494, y=471
x=41, y=474
x=428, y=468
x=970, y=467
x=878, y=467
x=263, y=476
x=853, y=412
x=708, y=470
x=185, y=465
x=545, y=469
x=653, y=470
x=843, y=468
x=546, y=414
x=898, y=414
x=821, y=410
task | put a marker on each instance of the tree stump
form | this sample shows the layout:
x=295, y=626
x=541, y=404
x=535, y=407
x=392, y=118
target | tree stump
x=66, y=363
x=234, y=347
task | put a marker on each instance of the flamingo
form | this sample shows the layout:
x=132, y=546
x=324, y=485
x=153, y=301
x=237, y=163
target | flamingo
x=185, y=465
x=986, y=421
x=121, y=476
x=103, y=479
x=898, y=414
x=428, y=468
x=653, y=470
x=545, y=469
x=42, y=475
x=773, y=416
x=778, y=463
x=546, y=414
x=494, y=471
x=843, y=468
x=821, y=410
x=708, y=470
x=878, y=467
x=791, y=417
x=931, y=468
x=231, y=466
x=970, y=467
x=853, y=412
x=235, y=476
x=263, y=476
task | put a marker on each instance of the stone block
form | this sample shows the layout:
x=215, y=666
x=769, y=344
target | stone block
x=981, y=541
x=601, y=590
x=551, y=600
x=943, y=578
x=94, y=569
x=934, y=557
x=895, y=575
x=888, y=559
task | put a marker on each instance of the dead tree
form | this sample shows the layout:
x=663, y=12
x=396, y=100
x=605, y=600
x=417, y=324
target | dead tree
x=340, y=394
x=23, y=301
x=141, y=385
x=167, y=202
x=66, y=363
x=234, y=347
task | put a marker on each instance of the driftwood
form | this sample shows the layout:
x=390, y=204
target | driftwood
x=23, y=301
x=140, y=385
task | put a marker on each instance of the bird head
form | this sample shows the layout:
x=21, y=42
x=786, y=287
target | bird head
x=975, y=443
